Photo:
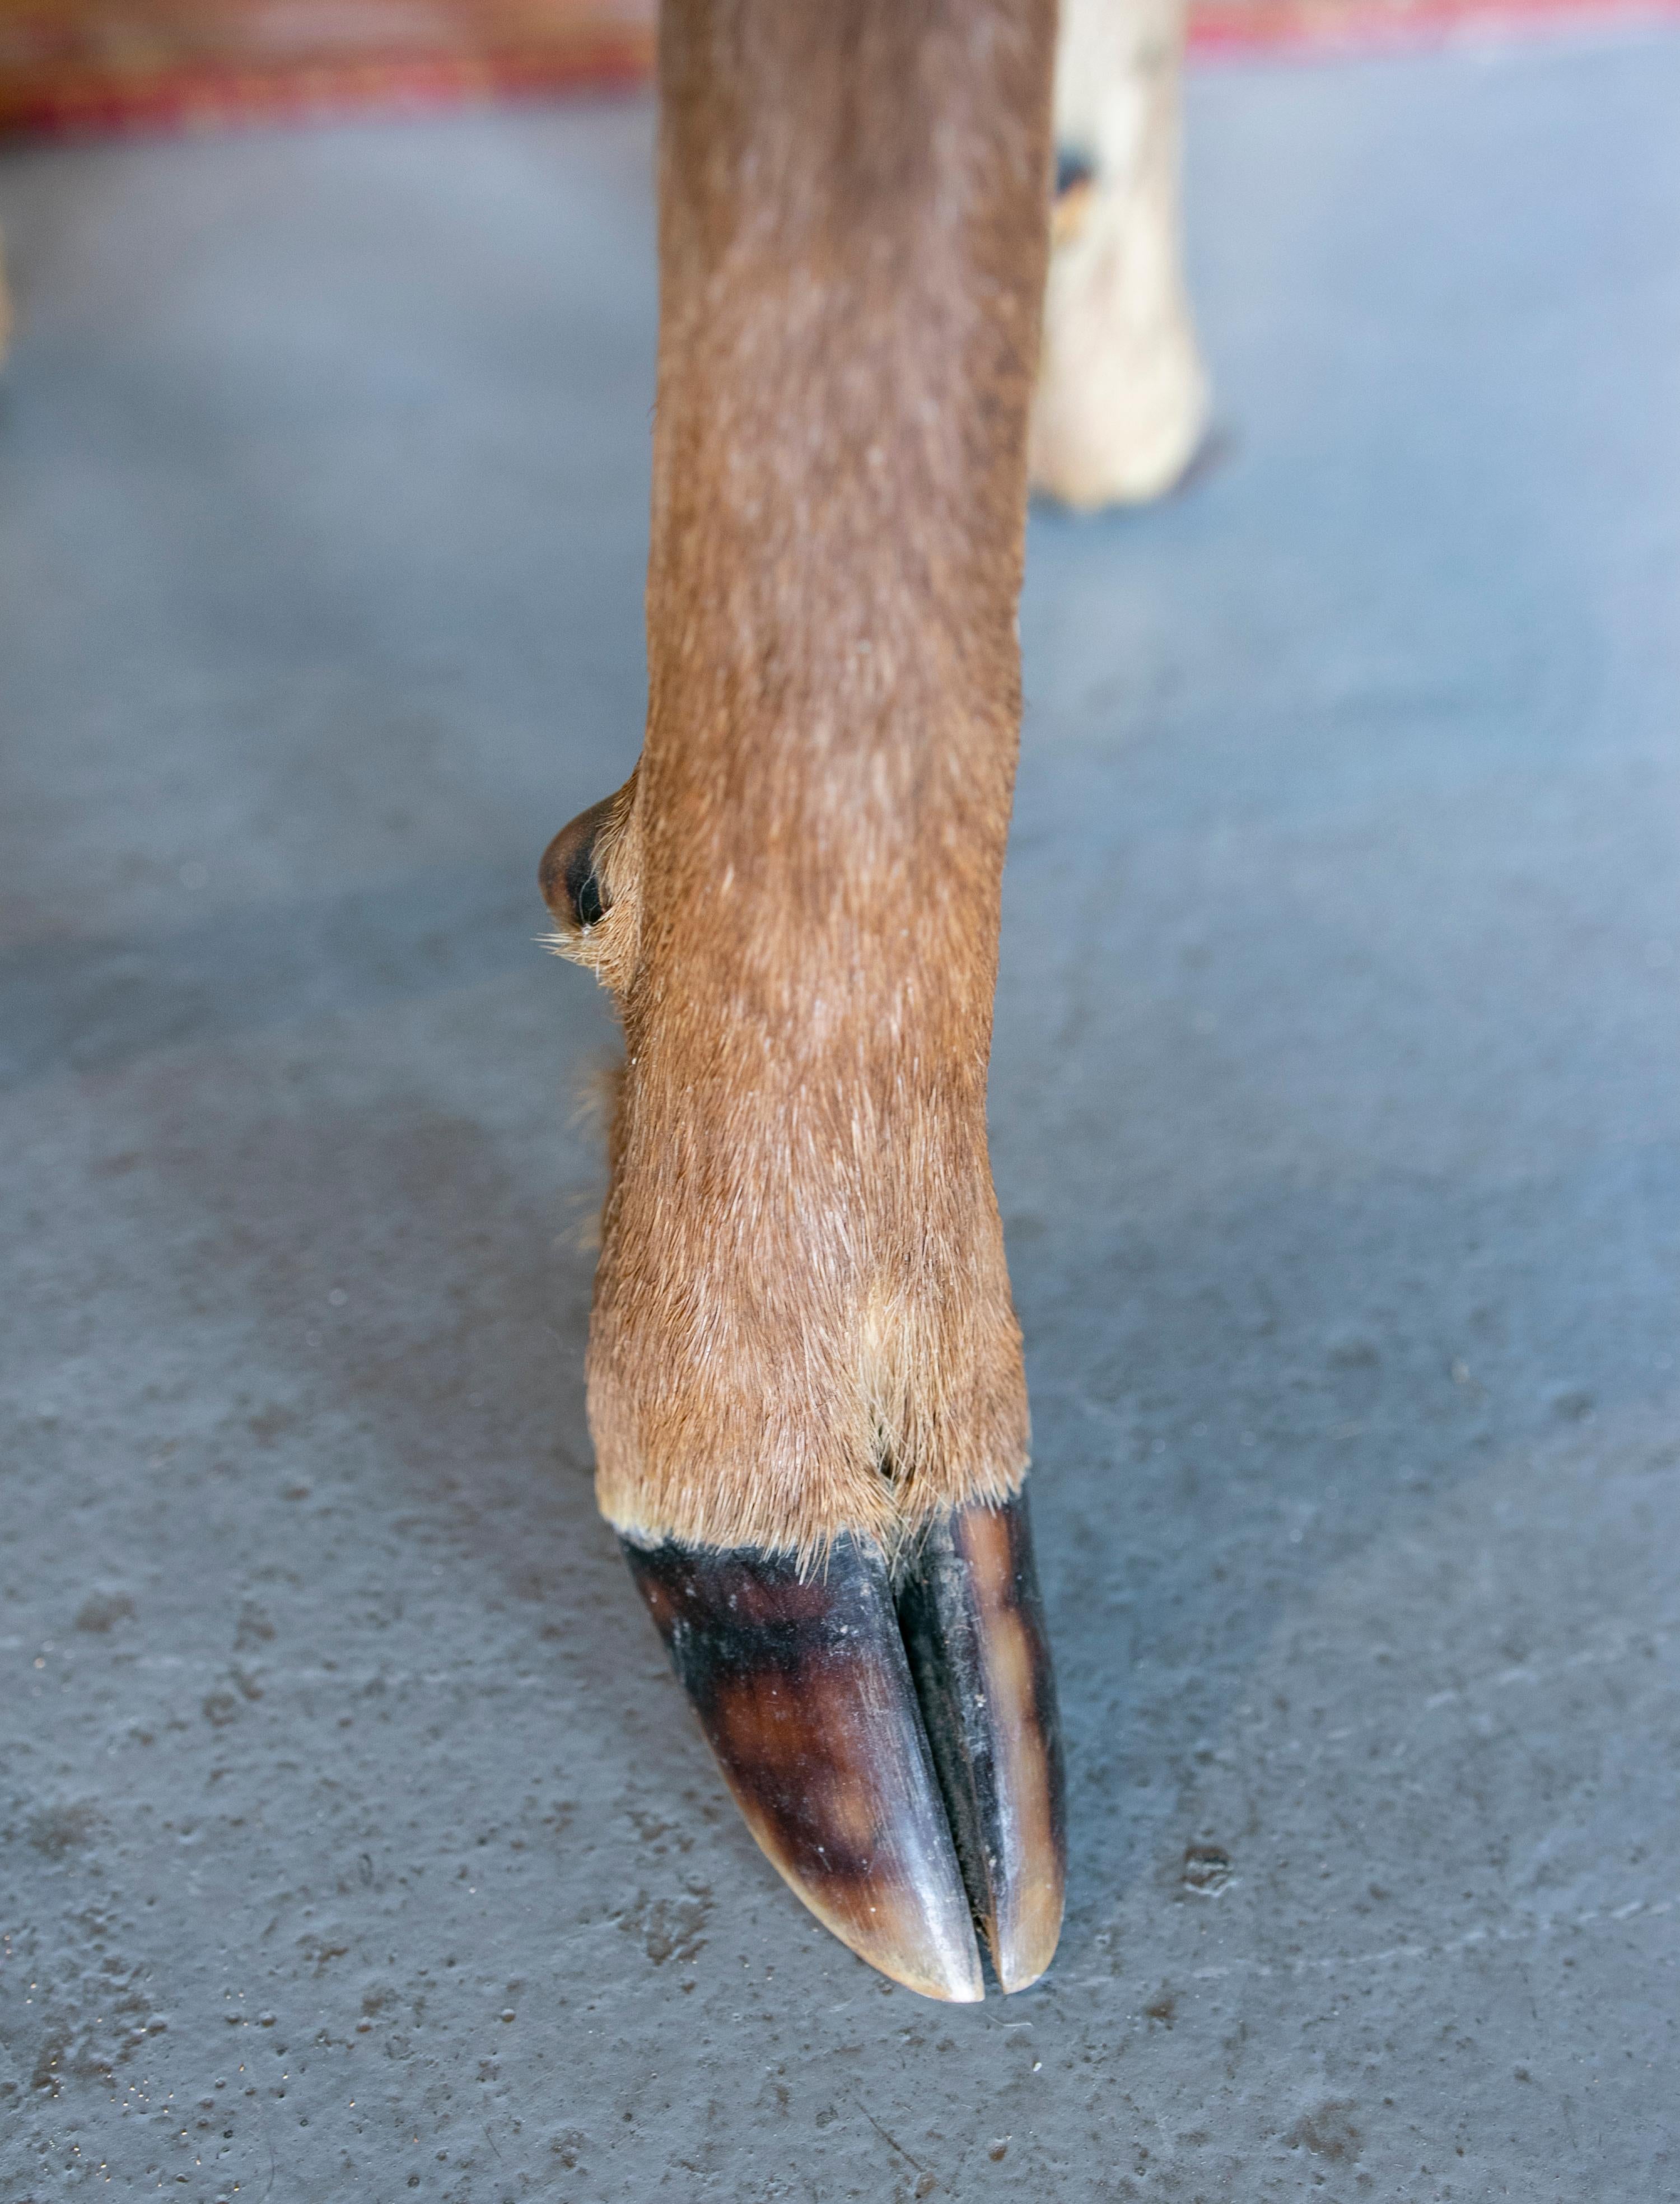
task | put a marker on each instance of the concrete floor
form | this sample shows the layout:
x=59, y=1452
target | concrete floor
x=357, y=1843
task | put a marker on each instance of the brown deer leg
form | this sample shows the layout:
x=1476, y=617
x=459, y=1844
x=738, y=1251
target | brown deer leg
x=1122, y=401
x=805, y=1376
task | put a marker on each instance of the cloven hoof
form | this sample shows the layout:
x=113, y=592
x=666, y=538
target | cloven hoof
x=889, y=1734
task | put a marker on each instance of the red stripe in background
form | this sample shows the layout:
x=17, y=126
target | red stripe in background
x=210, y=96
x=69, y=93
x=1327, y=26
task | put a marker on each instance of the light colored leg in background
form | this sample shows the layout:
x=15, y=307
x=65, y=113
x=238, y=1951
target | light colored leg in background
x=1121, y=402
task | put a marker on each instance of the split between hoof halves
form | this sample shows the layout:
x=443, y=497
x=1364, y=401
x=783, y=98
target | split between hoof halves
x=889, y=1736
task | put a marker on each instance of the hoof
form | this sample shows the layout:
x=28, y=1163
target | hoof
x=973, y=1627
x=889, y=1736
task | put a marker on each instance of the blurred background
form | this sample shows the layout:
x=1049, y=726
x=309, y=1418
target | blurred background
x=114, y=63
x=117, y=64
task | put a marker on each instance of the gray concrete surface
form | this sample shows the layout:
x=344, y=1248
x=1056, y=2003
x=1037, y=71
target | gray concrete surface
x=356, y=1844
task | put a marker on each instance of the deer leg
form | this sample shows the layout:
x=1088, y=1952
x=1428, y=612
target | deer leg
x=1122, y=401
x=805, y=1377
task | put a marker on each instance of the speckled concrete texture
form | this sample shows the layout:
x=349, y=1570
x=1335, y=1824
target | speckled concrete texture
x=357, y=1843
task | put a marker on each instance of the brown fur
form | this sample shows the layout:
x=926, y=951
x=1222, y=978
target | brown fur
x=802, y=1321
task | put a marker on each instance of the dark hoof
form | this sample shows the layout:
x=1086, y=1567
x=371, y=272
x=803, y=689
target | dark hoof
x=895, y=1752
x=973, y=1625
